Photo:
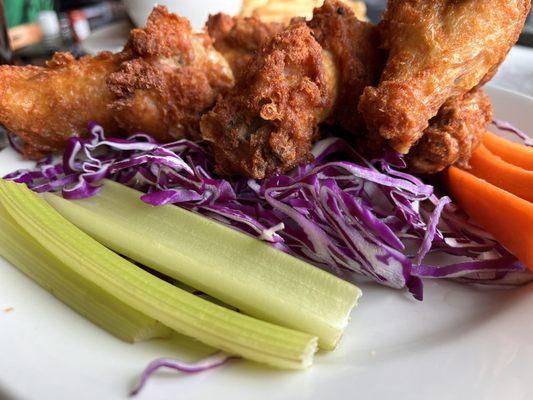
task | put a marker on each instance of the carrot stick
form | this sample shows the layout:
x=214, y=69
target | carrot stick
x=507, y=217
x=509, y=177
x=513, y=153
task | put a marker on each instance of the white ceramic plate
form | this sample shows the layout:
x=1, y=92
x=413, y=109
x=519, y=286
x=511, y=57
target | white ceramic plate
x=460, y=343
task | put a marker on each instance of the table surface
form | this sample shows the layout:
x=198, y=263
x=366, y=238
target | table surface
x=517, y=72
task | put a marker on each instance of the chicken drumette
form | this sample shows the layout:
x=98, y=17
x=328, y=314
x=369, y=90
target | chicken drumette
x=439, y=51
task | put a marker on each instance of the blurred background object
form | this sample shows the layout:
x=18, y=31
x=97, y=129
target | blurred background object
x=196, y=10
x=375, y=8
x=5, y=58
x=527, y=36
x=285, y=10
x=39, y=28
x=5, y=46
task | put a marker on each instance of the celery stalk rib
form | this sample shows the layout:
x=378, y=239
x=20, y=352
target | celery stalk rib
x=106, y=311
x=224, y=263
x=181, y=311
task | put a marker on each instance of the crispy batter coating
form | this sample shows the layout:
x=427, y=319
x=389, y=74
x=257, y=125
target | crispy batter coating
x=268, y=122
x=239, y=38
x=45, y=106
x=354, y=45
x=172, y=78
x=438, y=50
x=453, y=134
x=161, y=83
x=268, y=103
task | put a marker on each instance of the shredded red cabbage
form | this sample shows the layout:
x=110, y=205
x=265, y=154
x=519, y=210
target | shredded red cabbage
x=342, y=212
x=213, y=361
x=508, y=127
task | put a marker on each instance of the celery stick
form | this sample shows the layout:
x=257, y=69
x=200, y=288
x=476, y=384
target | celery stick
x=106, y=311
x=222, y=262
x=181, y=311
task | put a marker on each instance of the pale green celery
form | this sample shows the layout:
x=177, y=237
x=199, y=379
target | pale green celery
x=181, y=311
x=222, y=262
x=73, y=289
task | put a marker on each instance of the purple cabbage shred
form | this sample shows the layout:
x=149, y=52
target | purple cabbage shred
x=508, y=127
x=343, y=213
x=214, y=361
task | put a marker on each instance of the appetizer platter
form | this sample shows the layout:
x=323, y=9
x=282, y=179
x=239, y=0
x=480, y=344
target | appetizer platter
x=223, y=198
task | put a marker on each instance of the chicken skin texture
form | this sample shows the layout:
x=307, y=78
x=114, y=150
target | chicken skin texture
x=268, y=122
x=438, y=50
x=239, y=38
x=161, y=83
x=453, y=134
x=172, y=77
x=45, y=106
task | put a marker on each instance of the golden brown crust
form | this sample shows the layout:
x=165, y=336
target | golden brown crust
x=165, y=35
x=239, y=38
x=453, y=134
x=268, y=122
x=172, y=78
x=355, y=47
x=438, y=50
x=47, y=105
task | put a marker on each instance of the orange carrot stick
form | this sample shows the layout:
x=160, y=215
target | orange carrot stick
x=507, y=217
x=509, y=177
x=513, y=153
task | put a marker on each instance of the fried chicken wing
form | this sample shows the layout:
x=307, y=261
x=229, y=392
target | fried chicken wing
x=453, y=134
x=239, y=38
x=438, y=50
x=44, y=106
x=307, y=74
x=174, y=75
x=162, y=82
x=268, y=122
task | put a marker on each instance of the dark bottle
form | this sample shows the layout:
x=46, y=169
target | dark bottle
x=5, y=58
x=5, y=47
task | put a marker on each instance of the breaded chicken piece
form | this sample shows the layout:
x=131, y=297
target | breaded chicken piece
x=453, y=134
x=268, y=122
x=45, y=106
x=171, y=78
x=438, y=50
x=161, y=83
x=354, y=45
x=306, y=75
x=239, y=38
